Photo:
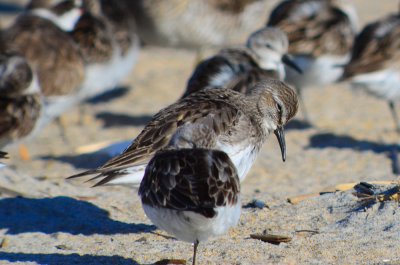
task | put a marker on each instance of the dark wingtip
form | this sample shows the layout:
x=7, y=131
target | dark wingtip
x=4, y=155
x=82, y=174
x=103, y=181
x=287, y=59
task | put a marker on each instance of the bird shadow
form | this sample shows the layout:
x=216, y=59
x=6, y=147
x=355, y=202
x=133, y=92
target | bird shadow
x=57, y=259
x=108, y=96
x=8, y=8
x=298, y=125
x=61, y=214
x=121, y=120
x=82, y=161
x=329, y=140
x=93, y=159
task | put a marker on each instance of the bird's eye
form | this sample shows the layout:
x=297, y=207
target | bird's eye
x=269, y=46
x=279, y=108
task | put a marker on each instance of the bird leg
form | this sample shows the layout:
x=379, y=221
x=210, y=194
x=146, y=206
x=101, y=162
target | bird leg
x=62, y=128
x=394, y=115
x=302, y=105
x=195, y=244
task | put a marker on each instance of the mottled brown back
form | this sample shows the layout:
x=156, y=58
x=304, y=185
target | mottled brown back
x=195, y=180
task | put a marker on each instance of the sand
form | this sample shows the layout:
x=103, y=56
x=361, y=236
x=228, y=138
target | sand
x=45, y=219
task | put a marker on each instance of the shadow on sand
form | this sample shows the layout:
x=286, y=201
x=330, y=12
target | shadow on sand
x=61, y=214
x=9, y=8
x=58, y=259
x=119, y=120
x=329, y=140
x=298, y=125
x=83, y=161
x=94, y=159
x=108, y=96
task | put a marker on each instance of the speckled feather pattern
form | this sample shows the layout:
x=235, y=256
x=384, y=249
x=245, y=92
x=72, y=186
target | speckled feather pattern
x=48, y=50
x=18, y=115
x=376, y=48
x=236, y=120
x=93, y=38
x=235, y=69
x=314, y=27
x=197, y=180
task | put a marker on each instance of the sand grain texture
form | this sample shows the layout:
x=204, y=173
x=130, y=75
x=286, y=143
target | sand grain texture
x=67, y=222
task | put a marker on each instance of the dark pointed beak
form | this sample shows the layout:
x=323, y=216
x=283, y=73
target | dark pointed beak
x=280, y=134
x=287, y=59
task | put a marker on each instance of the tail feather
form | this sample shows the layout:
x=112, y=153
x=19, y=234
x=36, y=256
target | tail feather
x=3, y=154
x=131, y=177
x=85, y=173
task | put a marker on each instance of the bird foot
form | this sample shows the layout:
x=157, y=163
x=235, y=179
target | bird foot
x=171, y=262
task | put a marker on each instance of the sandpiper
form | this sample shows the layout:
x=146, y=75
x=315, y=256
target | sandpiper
x=109, y=48
x=192, y=194
x=375, y=61
x=197, y=23
x=124, y=31
x=40, y=36
x=240, y=123
x=20, y=98
x=92, y=34
x=240, y=68
x=320, y=34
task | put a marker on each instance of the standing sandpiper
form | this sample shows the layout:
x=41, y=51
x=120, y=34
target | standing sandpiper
x=192, y=194
x=240, y=68
x=320, y=34
x=235, y=123
x=375, y=61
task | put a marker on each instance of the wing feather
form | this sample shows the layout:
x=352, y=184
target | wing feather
x=206, y=179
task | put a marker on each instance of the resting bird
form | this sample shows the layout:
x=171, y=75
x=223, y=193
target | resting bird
x=375, y=61
x=242, y=67
x=20, y=98
x=240, y=124
x=321, y=34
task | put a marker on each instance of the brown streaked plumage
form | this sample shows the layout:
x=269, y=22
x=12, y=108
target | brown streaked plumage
x=109, y=44
x=240, y=123
x=376, y=48
x=15, y=73
x=320, y=34
x=20, y=98
x=122, y=24
x=48, y=50
x=375, y=61
x=197, y=23
x=192, y=194
x=239, y=65
x=18, y=116
x=93, y=37
x=314, y=27
x=197, y=180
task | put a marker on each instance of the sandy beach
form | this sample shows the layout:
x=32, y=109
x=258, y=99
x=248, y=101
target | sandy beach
x=46, y=219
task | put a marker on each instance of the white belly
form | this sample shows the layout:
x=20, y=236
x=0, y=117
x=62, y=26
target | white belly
x=321, y=71
x=242, y=157
x=383, y=84
x=190, y=226
x=130, y=176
